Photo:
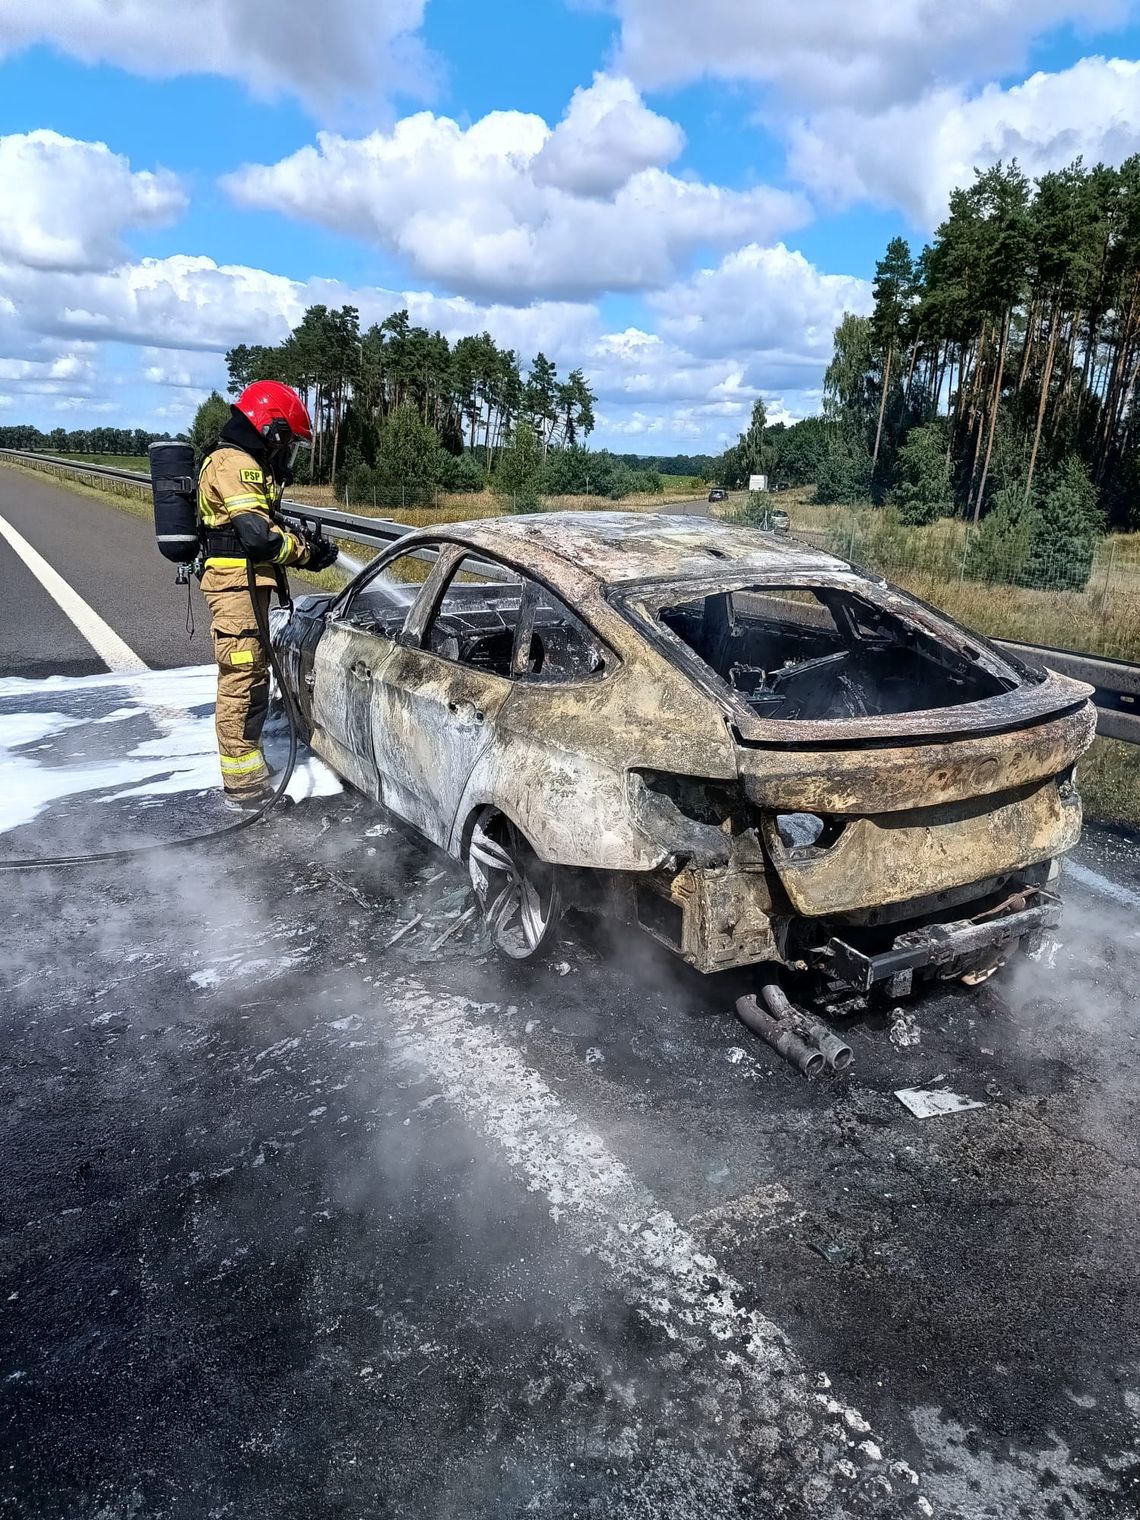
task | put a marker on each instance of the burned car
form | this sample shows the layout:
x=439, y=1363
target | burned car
x=750, y=748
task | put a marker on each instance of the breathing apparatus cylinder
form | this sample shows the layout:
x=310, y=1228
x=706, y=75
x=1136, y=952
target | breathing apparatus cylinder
x=174, y=485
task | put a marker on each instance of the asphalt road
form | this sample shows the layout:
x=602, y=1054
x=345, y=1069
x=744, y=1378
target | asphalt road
x=108, y=556
x=296, y=1220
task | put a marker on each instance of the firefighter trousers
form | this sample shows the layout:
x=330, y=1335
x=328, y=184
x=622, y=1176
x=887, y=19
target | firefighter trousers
x=243, y=684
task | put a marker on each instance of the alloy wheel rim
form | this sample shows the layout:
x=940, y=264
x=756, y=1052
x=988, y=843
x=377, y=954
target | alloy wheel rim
x=516, y=891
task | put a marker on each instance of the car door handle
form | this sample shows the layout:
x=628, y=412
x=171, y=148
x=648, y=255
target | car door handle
x=466, y=710
x=361, y=671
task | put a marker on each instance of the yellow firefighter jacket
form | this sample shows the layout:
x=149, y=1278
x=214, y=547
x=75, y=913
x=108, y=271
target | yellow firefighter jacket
x=237, y=499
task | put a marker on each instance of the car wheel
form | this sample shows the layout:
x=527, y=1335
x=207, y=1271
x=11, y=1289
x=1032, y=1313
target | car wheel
x=517, y=892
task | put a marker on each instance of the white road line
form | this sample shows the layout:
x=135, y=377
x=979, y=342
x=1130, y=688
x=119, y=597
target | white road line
x=740, y=1360
x=115, y=654
x=1098, y=883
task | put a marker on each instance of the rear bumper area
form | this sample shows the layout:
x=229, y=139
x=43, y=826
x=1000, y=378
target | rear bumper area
x=959, y=948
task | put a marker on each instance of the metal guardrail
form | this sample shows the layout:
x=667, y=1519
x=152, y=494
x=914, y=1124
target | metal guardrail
x=371, y=532
x=1115, y=683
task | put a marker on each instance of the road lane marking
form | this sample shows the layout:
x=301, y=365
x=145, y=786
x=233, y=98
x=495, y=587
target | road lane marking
x=117, y=655
x=1098, y=883
x=788, y=1421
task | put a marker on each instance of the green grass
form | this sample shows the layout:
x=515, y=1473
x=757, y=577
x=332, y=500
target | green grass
x=137, y=462
x=1109, y=780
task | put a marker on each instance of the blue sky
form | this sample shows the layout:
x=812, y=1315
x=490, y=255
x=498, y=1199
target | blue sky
x=682, y=200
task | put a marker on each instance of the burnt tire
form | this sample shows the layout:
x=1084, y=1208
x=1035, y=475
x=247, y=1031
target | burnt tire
x=519, y=895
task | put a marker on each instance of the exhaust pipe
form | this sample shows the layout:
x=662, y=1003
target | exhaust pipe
x=836, y=1052
x=782, y=1039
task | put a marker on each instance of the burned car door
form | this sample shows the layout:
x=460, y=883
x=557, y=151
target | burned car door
x=435, y=703
x=356, y=647
x=296, y=632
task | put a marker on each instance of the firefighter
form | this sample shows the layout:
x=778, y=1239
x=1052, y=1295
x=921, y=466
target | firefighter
x=239, y=487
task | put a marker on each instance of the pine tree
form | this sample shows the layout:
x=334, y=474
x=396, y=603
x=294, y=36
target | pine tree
x=923, y=491
x=893, y=290
x=520, y=470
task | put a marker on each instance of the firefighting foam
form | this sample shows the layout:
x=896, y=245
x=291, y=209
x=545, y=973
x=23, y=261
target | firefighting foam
x=63, y=736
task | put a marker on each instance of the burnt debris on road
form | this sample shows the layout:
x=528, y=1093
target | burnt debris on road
x=314, y=1205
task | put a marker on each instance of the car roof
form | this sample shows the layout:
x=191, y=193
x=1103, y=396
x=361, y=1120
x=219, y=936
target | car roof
x=634, y=546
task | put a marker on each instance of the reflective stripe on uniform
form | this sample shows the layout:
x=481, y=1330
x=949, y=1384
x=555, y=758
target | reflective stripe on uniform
x=243, y=502
x=240, y=765
x=220, y=562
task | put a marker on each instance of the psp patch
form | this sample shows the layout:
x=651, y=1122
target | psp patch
x=252, y=477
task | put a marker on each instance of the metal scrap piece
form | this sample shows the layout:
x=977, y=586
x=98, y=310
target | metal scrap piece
x=931, y=1103
x=407, y=929
x=452, y=928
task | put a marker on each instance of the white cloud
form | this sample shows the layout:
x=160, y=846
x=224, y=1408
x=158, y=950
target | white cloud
x=64, y=375
x=509, y=209
x=1091, y=109
x=328, y=54
x=181, y=313
x=839, y=51
x=158, y=328
x=65, y=204
x=607, y=135
x=758, y=323
x=769, y=306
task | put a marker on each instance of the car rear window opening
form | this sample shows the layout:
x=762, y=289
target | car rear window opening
x=811, y=653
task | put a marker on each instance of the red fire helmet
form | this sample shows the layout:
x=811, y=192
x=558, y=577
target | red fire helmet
x=268, y=401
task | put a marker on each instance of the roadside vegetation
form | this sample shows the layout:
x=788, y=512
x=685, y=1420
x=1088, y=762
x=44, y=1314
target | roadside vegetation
x=123, y=447
x=401, y=416
x=138, y=462
x=994, y=383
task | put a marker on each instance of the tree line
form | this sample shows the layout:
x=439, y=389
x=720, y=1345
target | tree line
x=386, y=394
x=97, y=440
x=996, y=377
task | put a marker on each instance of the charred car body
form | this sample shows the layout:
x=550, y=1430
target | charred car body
x=756, y=751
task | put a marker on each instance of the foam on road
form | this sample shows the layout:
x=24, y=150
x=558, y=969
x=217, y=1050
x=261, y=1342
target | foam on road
x=128, y=759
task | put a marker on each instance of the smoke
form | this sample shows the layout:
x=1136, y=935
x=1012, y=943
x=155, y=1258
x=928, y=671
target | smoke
x=1076, y=1001
x=292, y=1149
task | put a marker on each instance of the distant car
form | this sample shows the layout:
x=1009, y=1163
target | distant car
x=718, y=493
x=746, y=747
x=779, y=520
